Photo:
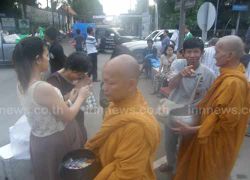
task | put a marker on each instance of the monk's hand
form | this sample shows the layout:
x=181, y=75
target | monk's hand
x=183, y=129
x=187, y=71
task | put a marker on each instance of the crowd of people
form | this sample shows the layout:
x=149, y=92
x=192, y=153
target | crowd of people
x=129, y=137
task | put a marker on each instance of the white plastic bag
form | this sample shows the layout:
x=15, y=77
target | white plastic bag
x=10, y=38
x=20, y=138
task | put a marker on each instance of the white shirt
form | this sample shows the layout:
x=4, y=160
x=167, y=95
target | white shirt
x=208, y=59
x=41, y=120
x=175, y=39
x=181, y=94
x=91, y=44
x=166, y=63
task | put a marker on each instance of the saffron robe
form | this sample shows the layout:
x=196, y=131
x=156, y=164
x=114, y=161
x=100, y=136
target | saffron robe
x=211, y=153
x=127, y=141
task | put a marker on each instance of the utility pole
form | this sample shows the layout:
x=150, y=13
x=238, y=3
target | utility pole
x=216, y=17
x=52, y=9
x=156, y=15
x=182, y=23
x=22, y=10
x=237, y=23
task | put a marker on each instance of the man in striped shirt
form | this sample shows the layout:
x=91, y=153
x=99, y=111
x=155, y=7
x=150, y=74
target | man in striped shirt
x=91, y=45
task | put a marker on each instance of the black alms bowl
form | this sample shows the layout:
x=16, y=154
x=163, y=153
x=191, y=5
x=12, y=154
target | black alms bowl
x=87, y=173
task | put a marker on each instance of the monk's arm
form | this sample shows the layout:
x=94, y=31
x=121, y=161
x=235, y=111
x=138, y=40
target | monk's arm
x=131, y=158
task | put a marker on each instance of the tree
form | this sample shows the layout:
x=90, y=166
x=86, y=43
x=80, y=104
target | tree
x=141, y=6
x=85, y=9
x=169, y=17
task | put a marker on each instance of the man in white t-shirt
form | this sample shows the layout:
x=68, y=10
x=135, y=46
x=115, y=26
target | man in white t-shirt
x=183, y=83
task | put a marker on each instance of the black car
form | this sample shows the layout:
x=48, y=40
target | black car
x=108, y=37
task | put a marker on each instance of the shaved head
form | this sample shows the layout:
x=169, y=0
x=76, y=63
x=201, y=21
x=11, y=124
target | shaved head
x=124, y=65
x=232, y=44
x=120, y=77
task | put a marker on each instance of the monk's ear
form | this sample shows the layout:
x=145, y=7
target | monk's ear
x=132, y=84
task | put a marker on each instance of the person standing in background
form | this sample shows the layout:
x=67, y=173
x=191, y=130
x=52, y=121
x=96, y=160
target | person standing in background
x=188, y=34
x=208, y=58
x=91, y=46
x=56, y=53
x=175, y=38
x=247, y=40
x=79, y=41
x=165, y=41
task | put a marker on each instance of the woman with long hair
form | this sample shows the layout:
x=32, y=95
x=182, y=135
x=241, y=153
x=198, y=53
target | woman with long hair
x=166, y=60
x=53, y=129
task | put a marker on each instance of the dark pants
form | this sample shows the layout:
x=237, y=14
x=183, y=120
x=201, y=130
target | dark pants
x=93, y=60
x=79, y=49
x=147, y=65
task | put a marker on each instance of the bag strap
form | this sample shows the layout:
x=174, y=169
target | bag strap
x=194, y=91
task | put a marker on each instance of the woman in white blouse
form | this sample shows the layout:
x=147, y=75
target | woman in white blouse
x=53, y=129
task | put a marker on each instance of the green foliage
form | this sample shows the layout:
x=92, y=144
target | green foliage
x=85, y=9
x=169, y=17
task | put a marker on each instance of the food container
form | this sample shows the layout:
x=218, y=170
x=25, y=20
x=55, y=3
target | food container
x=79, y=165
x=184, y=114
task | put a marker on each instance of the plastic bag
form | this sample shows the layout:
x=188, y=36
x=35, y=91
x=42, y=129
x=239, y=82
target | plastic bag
x=10, y=39
x=90, y=105
x=20, y=138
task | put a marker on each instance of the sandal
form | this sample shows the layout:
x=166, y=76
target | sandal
x=165, y=168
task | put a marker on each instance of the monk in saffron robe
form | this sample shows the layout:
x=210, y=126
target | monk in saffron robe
x=209, y=151
x=129, y=136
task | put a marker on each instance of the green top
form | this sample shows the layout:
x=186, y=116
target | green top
x=188, y=36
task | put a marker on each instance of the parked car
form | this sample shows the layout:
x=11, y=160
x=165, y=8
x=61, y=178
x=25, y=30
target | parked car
x=6, y=50
x=137, y=47
x=108, y=37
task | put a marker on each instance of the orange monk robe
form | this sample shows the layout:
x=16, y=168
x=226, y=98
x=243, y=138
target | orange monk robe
x=212, y=152
x=127, y=141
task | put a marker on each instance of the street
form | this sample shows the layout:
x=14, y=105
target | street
x=10, y=112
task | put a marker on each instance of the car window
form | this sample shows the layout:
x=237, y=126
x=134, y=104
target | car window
x=159, y=36
x=152, y=35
